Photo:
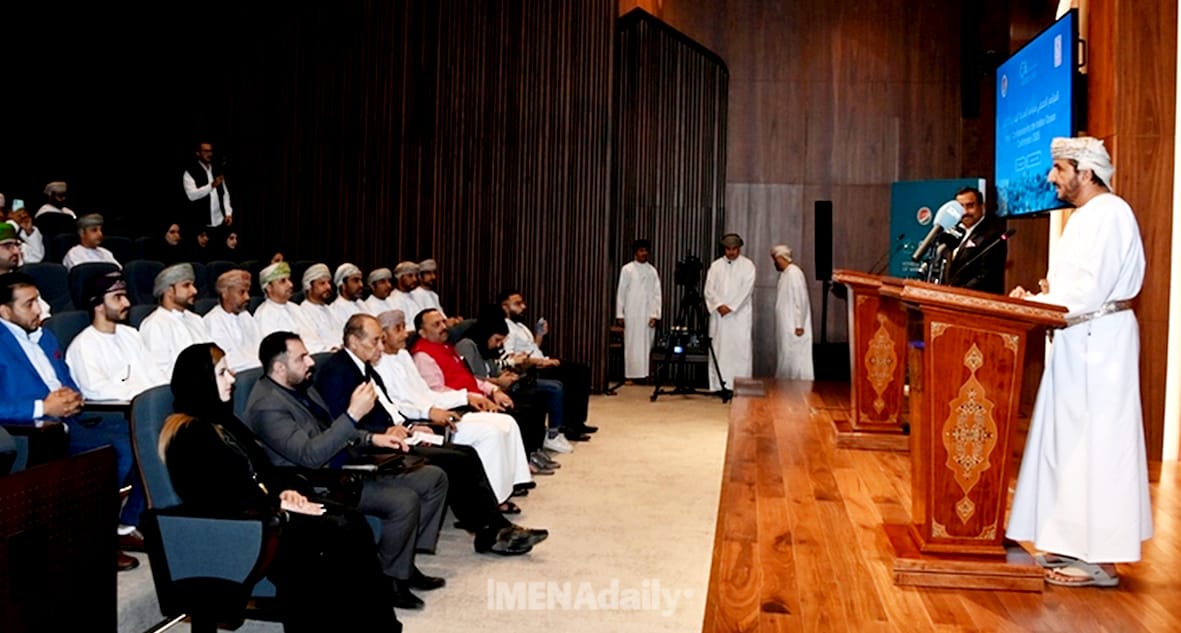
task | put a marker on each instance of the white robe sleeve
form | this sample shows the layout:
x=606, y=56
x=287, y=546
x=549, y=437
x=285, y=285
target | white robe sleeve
x=713, y=290
x=621, y=294
x=656, y=298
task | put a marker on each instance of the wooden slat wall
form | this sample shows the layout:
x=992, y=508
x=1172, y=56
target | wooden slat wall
x=670, y=149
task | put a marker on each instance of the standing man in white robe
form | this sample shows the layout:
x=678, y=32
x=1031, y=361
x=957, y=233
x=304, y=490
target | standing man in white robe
x=729, y=285
x=638, y=310
x=173, y=326
x=108, y=359
x=1082, y=493
x=347, y=280
x=230, y=324
x=279, y=314
x=793, y=318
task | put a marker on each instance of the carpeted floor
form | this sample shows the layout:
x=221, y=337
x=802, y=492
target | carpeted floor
x=631, y=516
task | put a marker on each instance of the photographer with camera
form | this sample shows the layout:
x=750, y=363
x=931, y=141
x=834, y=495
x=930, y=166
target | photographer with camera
x=637, y=310
x=728, y=289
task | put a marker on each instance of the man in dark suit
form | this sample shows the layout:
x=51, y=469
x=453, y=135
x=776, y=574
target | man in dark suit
x=471, y=495
x=296, y=429
x=977, y=261
x=36, y=387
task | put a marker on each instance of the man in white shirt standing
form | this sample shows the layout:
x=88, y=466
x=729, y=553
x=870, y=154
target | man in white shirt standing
x=173, y=326
x=729, y=285
x=230, y=324
x=793, y=318
x=638, y=310
x=108, y=359
x=89, y=248
x=380, y=288
x=279, y=314
x=209, y=198
x=347, y=280
x=317, y=289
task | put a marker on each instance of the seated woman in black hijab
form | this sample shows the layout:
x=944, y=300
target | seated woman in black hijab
x=325, y=571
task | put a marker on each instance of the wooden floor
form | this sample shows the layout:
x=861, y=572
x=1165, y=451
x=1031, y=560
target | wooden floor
x=800, y=545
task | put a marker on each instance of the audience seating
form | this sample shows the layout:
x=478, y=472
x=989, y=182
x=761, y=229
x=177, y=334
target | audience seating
x=206, y=567
x=54, y=224
x=121, y=247
x=216, y=269
x=66, y=325
x=256, y=301
x=253, y=267
x=201, y=280
x=79, y=274
x=11, y=458
x=143, y=247
x=57, y=246
x=243, y=383
x=53, y=282
x=205, y=304
x=141, y=276
x=138, y=314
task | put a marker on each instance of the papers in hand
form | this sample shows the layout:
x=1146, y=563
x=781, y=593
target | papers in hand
x=424, y=438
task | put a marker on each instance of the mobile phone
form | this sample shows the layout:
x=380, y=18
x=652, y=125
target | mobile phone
x=539, y=327
x=17, y=203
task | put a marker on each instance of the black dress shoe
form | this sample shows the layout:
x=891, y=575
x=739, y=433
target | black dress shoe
x=575, y=436
x=123, y=562
x=586, y=428
x=528, y=485
x=524, y=536
x=419, y=580
x=403, y=599
x=504, y=542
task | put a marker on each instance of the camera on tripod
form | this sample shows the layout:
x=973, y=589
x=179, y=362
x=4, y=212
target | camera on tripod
x=688, y=271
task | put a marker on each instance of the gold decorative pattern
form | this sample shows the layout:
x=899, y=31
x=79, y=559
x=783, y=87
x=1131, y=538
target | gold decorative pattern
x=1011, y=341
x=880, y=362
x=937, y=329
x=1051, y=315
x=970, y=433
x=861, y=299
x=938, y=531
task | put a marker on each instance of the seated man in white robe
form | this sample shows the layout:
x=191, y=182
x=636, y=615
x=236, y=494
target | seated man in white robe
x=316, y=308
x=55, y=200
x=495, y=436
x=425, y=296
x=230, y=324
x=89, y=248
x=279, y=314
x=406, y=276
x=347, y=280
x=32, y=241
x=173, y=326
x=108, y=359
x=380, y=288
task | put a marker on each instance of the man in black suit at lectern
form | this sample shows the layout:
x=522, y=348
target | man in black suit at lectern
x=977, y=261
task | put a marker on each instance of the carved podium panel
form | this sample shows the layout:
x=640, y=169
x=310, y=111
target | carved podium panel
x=877, y=350
x=965, y=393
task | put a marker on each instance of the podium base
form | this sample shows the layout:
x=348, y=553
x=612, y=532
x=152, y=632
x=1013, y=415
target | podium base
x=1016, y=571
x=883, y=437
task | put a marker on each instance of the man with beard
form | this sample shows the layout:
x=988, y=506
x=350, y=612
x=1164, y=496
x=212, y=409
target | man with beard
x=32, y=240
x=729, y=285
x=230, y=324
x=317, y=289
x=425, y=296
x=37, y=388
x=108, y=360
x=55, y=200
x=793, y=318
x=406, y=276
x=978, y=260
x=347, y=280
x=380, y=288
x=209, y=198
x=89, y=248
x=173, y=326
x=279, y=314
x=522, y=348
x=1082, y=493
x=638, y=310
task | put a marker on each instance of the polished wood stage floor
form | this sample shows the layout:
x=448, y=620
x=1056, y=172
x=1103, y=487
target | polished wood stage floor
x=800, y=545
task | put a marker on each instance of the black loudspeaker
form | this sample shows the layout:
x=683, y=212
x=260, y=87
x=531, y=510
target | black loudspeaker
x=823, y=248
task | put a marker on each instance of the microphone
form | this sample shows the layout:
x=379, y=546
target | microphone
x=1003, y=237
x=945, y=219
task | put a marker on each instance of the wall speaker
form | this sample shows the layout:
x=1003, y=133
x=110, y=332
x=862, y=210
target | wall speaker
x=823, y=247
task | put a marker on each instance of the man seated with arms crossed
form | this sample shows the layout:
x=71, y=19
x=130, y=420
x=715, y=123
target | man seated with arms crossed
x=472, y=497
x=173, y=326
x=296, y=429
x=230, y=323
x=37, y=387
x=278, y=314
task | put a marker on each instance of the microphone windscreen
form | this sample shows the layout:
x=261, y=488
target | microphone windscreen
x=949, y=214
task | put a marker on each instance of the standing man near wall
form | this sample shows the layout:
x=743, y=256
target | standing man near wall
x=729, y=285
x=638, y=310
x=793, y=318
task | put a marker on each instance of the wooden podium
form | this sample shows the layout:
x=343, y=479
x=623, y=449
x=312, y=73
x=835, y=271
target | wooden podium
x=965, y=378
x=877, y=363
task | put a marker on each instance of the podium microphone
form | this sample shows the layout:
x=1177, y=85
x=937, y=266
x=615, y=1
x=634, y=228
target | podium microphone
x=945, y=219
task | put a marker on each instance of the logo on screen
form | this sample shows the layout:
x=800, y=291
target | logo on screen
x=1004, y=85
x=923, y=216
x=1057, y=51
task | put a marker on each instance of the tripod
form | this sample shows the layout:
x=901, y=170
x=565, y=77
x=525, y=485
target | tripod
x=688, y=343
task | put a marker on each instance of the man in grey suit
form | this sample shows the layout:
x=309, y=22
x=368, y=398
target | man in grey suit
x=293, y=423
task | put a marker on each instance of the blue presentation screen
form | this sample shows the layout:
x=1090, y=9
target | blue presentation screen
x=1034, y=104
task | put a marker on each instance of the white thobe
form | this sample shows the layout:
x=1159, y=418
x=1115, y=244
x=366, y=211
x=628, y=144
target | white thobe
x=637, y=302
x=426, y=299
x=376, y=306
x=49, y=208
x=342, y=310
x=82, y=255
x=288, y=317
x=1083, y=486
x=793, y=311
x=495, y=436
x=730, y=283
x=113, y=366
x=405, y=302
x=32, y=244
x=166, y=333
x=323, y=321
x=237, y=335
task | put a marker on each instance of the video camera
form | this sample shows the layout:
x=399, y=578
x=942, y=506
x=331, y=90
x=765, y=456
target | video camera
x=688, y=271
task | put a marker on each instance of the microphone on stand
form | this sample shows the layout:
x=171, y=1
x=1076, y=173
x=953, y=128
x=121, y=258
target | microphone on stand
x=945, y=220
x=1003, y=237
x=883, y=262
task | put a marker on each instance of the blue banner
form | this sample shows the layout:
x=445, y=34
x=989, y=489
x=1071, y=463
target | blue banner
x=913, y=205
